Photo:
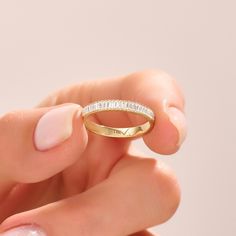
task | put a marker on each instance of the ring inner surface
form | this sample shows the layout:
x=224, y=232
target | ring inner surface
x=118, y=132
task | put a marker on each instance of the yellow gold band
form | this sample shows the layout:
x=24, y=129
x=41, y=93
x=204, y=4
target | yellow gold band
x=118, y=105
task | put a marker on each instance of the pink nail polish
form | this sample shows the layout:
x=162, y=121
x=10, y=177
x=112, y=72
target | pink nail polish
x=54, y=127
x=177, y=118
x=25, y=230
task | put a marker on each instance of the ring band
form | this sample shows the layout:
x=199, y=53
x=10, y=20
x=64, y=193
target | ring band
x=118, y=105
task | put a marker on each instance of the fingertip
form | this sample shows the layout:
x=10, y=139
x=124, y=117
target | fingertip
x=168, y=133
x=54, y=127
x=178, y=120
x=66, y=145
x=44, y=141
x=160, y=91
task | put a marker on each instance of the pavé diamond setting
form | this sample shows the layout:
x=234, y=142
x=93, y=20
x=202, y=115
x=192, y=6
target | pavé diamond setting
x=118, y=105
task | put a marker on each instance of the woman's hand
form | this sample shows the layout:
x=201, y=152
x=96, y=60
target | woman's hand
x=57, y=178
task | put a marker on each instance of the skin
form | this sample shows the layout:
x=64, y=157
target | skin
x=93, y=185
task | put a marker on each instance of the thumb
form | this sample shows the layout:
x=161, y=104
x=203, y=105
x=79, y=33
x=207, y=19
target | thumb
x=39, y=143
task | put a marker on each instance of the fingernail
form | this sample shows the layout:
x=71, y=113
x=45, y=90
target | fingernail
x=26, y=230
x=177, y=118
x=55, y=127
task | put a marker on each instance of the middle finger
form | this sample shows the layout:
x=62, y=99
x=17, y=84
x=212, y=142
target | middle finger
x=140, y=193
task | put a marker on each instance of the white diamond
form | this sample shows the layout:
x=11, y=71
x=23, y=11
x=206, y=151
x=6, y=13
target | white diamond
x=118, y=105
x=123, y=105
x=111, y=104
x=106, y=105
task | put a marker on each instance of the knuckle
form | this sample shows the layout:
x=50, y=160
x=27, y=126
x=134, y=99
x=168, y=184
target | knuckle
x=165, y=187
x=9, y=116
x=50, y=100
x=152, y=80
x=10, y=119
x=156, y=80
x=156, y=74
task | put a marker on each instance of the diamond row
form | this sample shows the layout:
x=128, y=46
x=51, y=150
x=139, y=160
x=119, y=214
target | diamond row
x=123, y=105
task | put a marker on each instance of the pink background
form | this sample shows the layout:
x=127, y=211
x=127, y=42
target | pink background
x=47, y=44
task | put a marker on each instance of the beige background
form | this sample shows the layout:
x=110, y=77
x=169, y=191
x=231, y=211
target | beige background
x=47, y=44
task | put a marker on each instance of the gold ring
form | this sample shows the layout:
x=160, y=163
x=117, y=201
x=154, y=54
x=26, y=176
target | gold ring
x=118, y=105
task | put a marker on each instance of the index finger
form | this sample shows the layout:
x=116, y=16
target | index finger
x=153, y=88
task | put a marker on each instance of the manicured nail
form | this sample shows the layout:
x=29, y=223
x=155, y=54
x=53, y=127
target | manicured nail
x=177, y=118
x=26, y=230
x=55, y=127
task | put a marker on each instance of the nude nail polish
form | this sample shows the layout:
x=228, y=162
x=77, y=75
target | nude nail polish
x=25, y=230
x=55, y=127
x=177, y=118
